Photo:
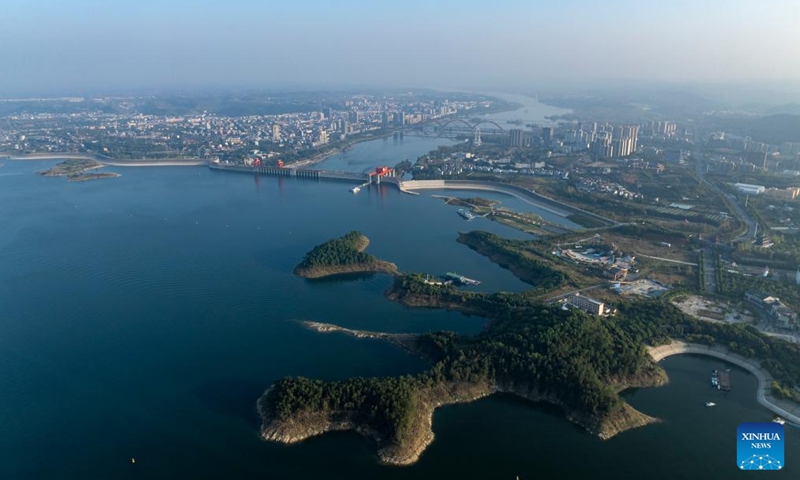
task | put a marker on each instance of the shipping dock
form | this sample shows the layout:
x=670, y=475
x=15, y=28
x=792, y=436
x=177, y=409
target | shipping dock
x=460, y=279
x=725, y=381
x=721, y=380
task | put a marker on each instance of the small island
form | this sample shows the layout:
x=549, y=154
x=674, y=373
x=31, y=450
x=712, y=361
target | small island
x=77, y=170
x=341, y=256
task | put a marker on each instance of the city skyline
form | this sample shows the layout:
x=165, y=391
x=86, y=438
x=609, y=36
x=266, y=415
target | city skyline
x=97, y=46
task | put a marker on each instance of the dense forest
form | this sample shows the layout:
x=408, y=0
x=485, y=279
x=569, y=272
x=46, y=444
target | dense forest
x=567, y=355
x=346, y=250
x=512, y=254
x=578, y=360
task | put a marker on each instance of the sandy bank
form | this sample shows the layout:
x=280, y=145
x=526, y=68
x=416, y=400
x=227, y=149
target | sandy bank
x=167, y=162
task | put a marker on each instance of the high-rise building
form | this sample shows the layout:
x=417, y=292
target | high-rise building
x=400, y=119
x=602, y=146
x=327, y=112
x=354, y=116
x=385, y=119
x=477, y=140
x=547, y=135
x=515, y=137
x=276, y=133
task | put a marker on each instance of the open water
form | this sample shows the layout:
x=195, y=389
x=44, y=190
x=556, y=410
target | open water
x=142, y=316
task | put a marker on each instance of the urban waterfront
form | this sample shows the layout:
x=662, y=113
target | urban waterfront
x=144, y=315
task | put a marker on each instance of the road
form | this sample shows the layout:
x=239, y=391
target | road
x=564, y=295
x=665, y=259
x=786, y=409
x=710, y=277
x=700, y=165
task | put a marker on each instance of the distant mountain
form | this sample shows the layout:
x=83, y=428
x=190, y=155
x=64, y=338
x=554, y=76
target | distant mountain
x=790, y=108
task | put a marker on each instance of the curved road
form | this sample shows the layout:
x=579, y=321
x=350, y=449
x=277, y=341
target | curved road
x=790, y=411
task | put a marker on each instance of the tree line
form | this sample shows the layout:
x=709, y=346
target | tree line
x=339, y=251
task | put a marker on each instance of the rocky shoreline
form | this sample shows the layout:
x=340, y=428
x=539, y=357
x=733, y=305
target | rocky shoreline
x=379, y=266
x=427, y=399
x=312, y=424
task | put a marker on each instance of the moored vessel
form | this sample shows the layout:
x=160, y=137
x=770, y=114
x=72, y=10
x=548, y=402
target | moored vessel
x=466, y=214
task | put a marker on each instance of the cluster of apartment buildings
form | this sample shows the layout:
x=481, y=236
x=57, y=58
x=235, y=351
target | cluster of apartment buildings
x=209, y=135
x=602, y=140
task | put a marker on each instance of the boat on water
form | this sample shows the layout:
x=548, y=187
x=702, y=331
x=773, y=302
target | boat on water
x=710, y=404
x=466, y=214
x=456, y=278
x=779, y=420
x=355, y=189
x=715, y=379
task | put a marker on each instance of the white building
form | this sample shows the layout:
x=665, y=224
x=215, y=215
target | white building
x=749, y=189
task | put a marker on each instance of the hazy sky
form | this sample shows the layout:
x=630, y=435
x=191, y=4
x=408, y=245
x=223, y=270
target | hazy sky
x=83, y=45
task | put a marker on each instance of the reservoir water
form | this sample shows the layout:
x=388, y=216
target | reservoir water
x=142, y=317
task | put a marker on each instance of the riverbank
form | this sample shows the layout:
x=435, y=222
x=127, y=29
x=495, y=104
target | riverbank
x=788, y=410
x=321, y=157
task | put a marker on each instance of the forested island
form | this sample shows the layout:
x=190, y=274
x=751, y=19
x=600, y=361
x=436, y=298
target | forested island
x=531, y=349
x=77, y=170
x=342, y=255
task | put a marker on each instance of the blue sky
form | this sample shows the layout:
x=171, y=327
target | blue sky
x=48, y=45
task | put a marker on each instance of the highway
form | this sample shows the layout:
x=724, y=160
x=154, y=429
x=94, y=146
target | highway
x=739, y=210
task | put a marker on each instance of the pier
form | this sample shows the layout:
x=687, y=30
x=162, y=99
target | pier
x=724, y=381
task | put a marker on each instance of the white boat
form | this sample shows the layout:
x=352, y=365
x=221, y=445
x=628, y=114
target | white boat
x=466, y=214
x=355, y=189
x=710, y=404
x=779, y=420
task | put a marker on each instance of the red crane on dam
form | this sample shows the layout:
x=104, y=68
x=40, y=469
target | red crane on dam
x=381, y=172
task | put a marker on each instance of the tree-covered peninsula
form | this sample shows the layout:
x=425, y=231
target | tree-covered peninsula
x=538, y=352
x=342, y=255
